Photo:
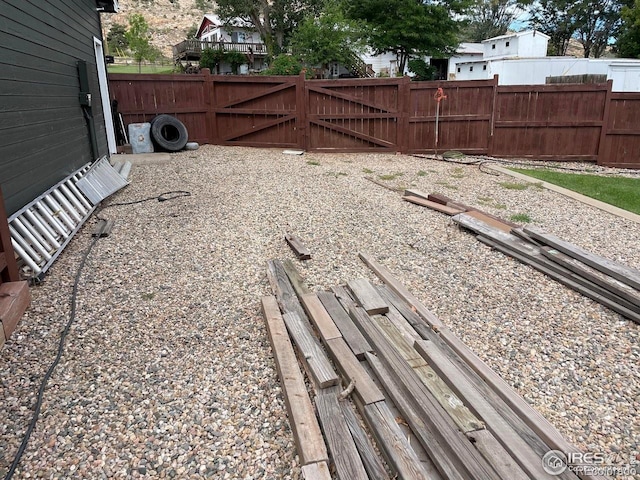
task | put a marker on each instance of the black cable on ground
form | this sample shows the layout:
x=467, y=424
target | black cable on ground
x=163, y=197
x=47, y=376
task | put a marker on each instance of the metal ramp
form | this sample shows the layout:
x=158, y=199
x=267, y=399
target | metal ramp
x=44, y=227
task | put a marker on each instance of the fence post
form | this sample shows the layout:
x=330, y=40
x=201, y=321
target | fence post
x=404, y=107
x=492, y=120
x=301, y=111
x=604, y=129
x=210, y=114
x=8, y=265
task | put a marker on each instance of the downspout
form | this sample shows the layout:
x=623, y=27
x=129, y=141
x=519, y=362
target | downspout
x=85, y=100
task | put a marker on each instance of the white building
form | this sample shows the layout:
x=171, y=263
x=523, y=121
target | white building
x=520, y=59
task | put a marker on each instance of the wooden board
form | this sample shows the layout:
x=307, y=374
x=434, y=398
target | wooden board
x=518, y=449
x=496, y=455
x=298, y=284
x=534, y=420
x=387, y=277
x=456, y=453
x=602, y=279
x=283, y=288
x=344, y=454
x=567, y=279
x=311, y=353
x=367, y=296
x=446, y=397
x=432, y=205
x=14, y=300
x=319, y=317
x=439, y=198
x=372, y=463
x=416, y=193
x=302, y=418
x=393, y=444
x=625, y=274
x=500, y=225
x=298, y=247
x=357, y=343
x=434, y=446
x=316, y=471
x=350, y=369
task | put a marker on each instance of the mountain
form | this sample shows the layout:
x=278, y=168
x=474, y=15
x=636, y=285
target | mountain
x=169, y=20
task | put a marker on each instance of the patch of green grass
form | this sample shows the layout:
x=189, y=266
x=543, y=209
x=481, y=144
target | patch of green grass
x=485, y=199
x=337, y=174
x=520, y=218
x=458, y=172
x=367, y=170
x=160, y=69
x=390, y=176
x=421, y=173
x=148, y=296
x=315, y=163
x=514, y=185
x=490, y=202
x=623, y=192
x=447, y=185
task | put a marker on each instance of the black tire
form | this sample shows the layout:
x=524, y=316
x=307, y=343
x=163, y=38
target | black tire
x=169, y=133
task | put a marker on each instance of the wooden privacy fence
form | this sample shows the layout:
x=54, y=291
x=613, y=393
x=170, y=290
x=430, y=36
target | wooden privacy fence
x=549, y=122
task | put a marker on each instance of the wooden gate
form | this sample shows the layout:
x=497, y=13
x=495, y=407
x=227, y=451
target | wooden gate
x=352, y=115
x=257, y=111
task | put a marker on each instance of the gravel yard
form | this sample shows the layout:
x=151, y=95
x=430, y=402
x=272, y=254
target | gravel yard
x=168, y=373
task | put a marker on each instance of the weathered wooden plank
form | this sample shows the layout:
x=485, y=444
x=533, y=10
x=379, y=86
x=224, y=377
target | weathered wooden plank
x=519, y=450
x=439, y=198
x=568, y=279
x=625, y=274
x=316, y=471
x=372, y=463
x=14, y=300
x=351, y=370
x=298, y=247
x=432, y=205
x=392, y=442
x=311, y=353
x=491, y=221
x=298, y=284
x=416, y=193
x=367, y=296
x=283, y=288
x=387, y=277
x=320, y=317
x=435, y=447
x=446, y=397
x=342, y=448
x=459, y=454
x=496, y=455
x=305, y=427
x=490, y=384
x=343, y=296
x=602, y=279
x=357, y=343
x=465, y=360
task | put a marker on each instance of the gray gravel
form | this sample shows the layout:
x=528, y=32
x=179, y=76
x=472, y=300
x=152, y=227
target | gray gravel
x=168, y=373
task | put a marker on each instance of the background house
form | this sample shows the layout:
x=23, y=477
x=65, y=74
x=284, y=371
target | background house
x=521, y=59
x=55, y=113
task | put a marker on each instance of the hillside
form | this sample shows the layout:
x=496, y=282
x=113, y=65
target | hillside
x=169, y=20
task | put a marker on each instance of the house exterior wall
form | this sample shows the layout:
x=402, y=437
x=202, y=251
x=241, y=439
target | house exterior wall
x=45, y=136
x=523, y=44
x=455, y=61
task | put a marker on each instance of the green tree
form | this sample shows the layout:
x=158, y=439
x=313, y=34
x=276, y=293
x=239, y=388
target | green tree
x=139, y=39
x=284, y=65
x=556, y=19
x=330, y=37
x=235, y=59
x=191, y=33
x=211, y=58
x=274, y=20
x=117, y=39
x=204, y=5
x=628, y=41
x=421, y=70
x=409, y=28
x=491, y=18
x=596, y=22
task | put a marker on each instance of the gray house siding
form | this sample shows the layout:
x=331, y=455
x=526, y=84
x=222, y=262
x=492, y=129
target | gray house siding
x=44, y=135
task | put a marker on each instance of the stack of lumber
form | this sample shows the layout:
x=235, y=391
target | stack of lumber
x=610, y=283
x=395, y=393
x=444, y=204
